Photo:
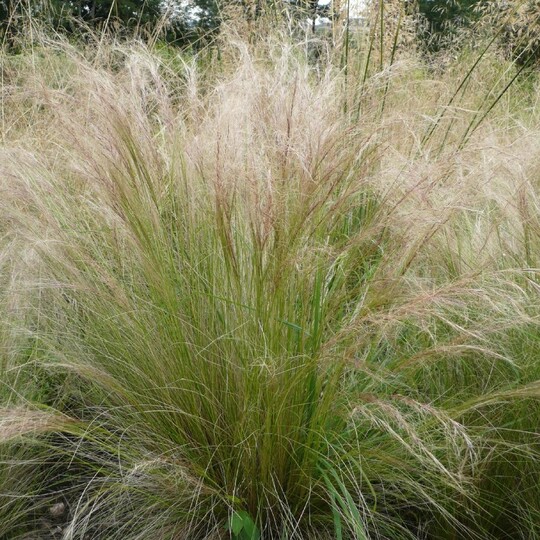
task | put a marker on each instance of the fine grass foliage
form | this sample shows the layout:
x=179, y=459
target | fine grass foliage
x=262, y=299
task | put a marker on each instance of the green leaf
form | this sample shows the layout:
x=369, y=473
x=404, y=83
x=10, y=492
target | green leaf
x=251, y=532
x=236, y=523
x=243, y=527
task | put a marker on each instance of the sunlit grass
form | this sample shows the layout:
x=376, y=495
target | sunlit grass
x=251, y=295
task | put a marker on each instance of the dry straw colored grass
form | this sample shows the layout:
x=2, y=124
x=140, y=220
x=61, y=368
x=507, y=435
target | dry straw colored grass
x=299, y=295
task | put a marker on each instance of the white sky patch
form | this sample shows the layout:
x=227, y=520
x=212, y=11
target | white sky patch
x=356, y=10
x=356, y=6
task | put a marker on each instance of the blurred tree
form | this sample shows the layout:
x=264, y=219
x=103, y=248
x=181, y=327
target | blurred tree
x=122, y=14
x=186, y=20
x=443, y=17
x=129, y=12
x=10, y=11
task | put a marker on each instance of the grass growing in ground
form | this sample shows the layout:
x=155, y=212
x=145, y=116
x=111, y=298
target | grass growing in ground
x=265, y=299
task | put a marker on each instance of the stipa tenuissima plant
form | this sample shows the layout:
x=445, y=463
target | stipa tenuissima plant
x=248, y=315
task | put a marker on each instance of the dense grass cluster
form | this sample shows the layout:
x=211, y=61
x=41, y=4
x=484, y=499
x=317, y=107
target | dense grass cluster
x=268, y=294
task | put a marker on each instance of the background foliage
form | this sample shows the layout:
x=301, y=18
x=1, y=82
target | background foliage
x=183, y=22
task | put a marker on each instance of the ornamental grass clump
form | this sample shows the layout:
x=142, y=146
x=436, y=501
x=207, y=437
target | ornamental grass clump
x=240, y=309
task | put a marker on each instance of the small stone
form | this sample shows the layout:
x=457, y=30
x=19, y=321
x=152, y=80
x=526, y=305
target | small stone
x=57, y=510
